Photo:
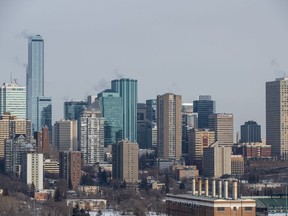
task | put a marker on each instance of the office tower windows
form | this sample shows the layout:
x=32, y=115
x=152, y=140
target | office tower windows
x=250, y=132
x=13, y=100
x=151, y=110
x=66, y=135
x=204, y=107
x=111, y=106
x=222, y=124
x=73, y=109
x=142, y=126
x=277, y=116
x=127, y=88
x=169, y=125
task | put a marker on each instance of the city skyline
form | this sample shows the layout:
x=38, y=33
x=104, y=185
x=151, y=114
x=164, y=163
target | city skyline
x=193, y=48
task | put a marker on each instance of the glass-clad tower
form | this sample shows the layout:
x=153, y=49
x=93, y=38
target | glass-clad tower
x=13, y=100
x=74, y=109
x=127, y=88
x=111, y=107
x=204, y=107
x=35, y=77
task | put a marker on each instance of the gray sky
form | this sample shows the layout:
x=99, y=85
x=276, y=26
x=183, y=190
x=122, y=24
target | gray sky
x=224, y=48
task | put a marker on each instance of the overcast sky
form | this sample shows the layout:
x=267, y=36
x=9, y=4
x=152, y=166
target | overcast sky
x=227, y=49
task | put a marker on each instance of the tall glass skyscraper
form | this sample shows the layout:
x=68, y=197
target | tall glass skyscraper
x=35, y=83
x=250, y=132
x=111, y=107
x=44, y=113
x=204, y=107
x=74, y=109
x=13, y=100
x=127, y=88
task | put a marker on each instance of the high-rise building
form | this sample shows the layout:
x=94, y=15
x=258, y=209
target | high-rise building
x=189, y=121
x=70, y=167
x=142, y=126
x=125, y=161
x=276, y=116
x=73, y=109
x=32, y=170
x=42, y=141
x=217, y=161
x=169, y=125
x=38, y=107
x=10, y=126
x=199, y=139
x=15, y=148
x=111, y=106
x=222, y=124
x=66, y=135
x=151, y=110
x=91, y=134
x=127, y=88
x=13, y=100
x=204, y=107
x=250, y=132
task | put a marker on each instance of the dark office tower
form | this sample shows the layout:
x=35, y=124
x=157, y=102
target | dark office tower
x=111, y=108
x=189, y=121
x=204, y=107
x=277, y=116
x=42, y=141
x=70, y=168
x=250, y=132
x=73, y=109
x=151, y=110
x=128, y=92
x=169, y=123
x=141, y=125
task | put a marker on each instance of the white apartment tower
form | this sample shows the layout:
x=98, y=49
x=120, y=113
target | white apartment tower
x=91, y=132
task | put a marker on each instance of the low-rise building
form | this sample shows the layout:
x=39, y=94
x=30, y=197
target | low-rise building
x=88, y=204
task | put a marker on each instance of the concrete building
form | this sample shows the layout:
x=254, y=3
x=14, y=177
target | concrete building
x=199, y=139
x=43, y=141
x=169, y=126
x=70, y=165
x=205, y=204
x=250, y=132
x=51, y=166
x=10, y=126
x=217, y=161
x=276, y=116
x=32, y=170
x=204, y=107
x=13, y=99
x=66, y=135
x=237, y=165
x=91, y=134
x=222, y=124
x=125, y=161
x=128, y=88
x=252, y=150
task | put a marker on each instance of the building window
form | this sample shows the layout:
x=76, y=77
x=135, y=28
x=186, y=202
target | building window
x=248, y=208
x=220, y=209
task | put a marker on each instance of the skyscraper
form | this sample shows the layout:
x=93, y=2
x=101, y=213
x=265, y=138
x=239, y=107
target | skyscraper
x=151, y=110
x=142, y=126
x=222, y=124
x=73, y=109
x=65, y=135
x=125, y=161
x=169, y=124
x=204, y=107
x=91, y=136
x=250, y=132
x=111, y=107
x=13, y=100
x=127, y=88
x=277, y=116
x=38, y=107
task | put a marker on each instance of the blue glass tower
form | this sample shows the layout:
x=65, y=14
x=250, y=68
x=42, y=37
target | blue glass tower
x=44, y=112
x=35, y=84
x=127, y=88
x=111, y=107
x=74, y=109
